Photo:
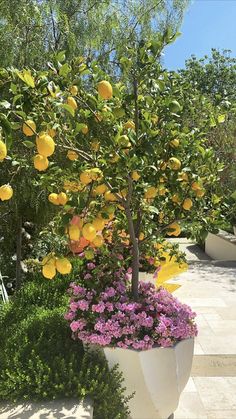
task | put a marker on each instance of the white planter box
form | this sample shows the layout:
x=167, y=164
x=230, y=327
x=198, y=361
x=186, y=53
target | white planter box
x=158, y=376
x=221, y=246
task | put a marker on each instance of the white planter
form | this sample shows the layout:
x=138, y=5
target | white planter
x=234, y=227
x=158, y=376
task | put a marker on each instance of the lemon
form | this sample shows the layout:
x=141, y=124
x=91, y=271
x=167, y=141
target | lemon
x=174, y=163
x=114, y=157
x=98, y=241
x=89, y=232
x=63, y=266
x=3, y=150
x=175, y=230
x=141, y=236
x=85, y=177
x=105, y=89
x=52, y=132
x=183, y=176
x=123, y=141
x=174, y=143
x=135, y=175
x=29, y=128
x=99, y=223
x=196, y=186
x=72, y=103
x=100, y=189
x=95, y=145
x=175, y=198
x=95, y=174
x=200, y=193
x=49, y=270
x=72, y=155
x=151, y=192
x=85, y=129
x=129, y=124
x=6, y=192
x=163, y=165
x=62, y=198
x=74, y=90
x=187, y=204
x=89, y=254
x=53, y=198
x=109, y=196
x=45, y=145
x=74, y=232
x=40, y=162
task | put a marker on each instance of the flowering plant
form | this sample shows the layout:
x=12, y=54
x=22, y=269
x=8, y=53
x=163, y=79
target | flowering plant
x=109, y=316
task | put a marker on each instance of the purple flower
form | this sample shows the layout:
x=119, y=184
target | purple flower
x=87, y=276
x=83, y=305
x=91, y=266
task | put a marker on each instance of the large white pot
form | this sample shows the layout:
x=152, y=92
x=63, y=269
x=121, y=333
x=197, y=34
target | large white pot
x=158, y=376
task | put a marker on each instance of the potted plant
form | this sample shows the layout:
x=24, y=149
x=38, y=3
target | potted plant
x=128, y=166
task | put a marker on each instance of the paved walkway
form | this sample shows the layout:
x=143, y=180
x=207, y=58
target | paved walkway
x=210, y=288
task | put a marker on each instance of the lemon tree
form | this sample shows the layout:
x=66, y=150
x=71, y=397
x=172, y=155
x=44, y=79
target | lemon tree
x=122, y=161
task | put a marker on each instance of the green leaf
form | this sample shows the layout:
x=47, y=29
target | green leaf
x=61, y=56
x=65, y=70
x=153, y=210
x=5, y=124
x=28, y=144
x=29, y=80
x=221, y=118
x=68, y=108
x=5, y=104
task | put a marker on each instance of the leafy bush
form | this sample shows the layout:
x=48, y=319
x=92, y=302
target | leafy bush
x=39, y=360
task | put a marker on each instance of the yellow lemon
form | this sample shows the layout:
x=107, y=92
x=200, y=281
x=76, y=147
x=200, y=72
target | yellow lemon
x=40, y=162
x=85, y=177
x=29, y=128
x=85, y=129
x=53, y=198
x=99, y=223
x=183, y=176
x=62, y=198
x=174, y=143
x=6, y=192
x=98, y=241
x=100, y=189
x=45, y=145
x=95, y=145
x=63, y=266
x=49, y=270
x=141, y=236
x=129, y=124
x=174, y=163
x=114, y=157
x=3, y=150
x=187, y=204
x=74, y=232
x=151, y=192
x=72, y=103
x=163, y=165
x=175, y=230
x=95, y=174
x=105, y=89
x=196, y=186
x=135, y=176
x=89, y=232
x=109, y=196
x=176, y=199
x=74, y=90
x=200, y=193
x=72, y=155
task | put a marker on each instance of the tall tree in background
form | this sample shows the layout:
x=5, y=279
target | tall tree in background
x=32, y=31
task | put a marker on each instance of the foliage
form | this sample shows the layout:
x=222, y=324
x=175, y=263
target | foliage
x=39, y=360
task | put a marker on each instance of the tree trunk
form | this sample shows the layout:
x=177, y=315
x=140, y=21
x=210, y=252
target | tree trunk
x=135, y=254
x=18, y=252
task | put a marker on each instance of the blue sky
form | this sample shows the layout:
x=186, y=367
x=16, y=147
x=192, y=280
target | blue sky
x=207, y=24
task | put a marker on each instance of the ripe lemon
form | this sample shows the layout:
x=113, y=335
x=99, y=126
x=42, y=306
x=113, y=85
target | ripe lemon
x=99, y=223
x=100, y=189
x=129, y=124
x=95, y=145
x=74, y=232
x=109, y=196
x=85, y=129
x=62, y=198
x=105, y=89
x=151, y=192
x=74, y=90
x=98, y=241
x=72, y=103
x=89, y=232
x=175, y=230
x=53, y=198
x=6, y=192
x=135, y=176
x=174, y=163
x=141, y=236
x=45, y=145
x=3, y=150
x=163, y=165
x=72, y=155
x=176, y=199
x=200, y=193
x=187, y=204
x=95, y=174
x=174, y=143
x=85, y=177
x=40, y=162
x=49, y=270
x=196, y=186
x=29, y=128
x=63, y=266
x=183, y=176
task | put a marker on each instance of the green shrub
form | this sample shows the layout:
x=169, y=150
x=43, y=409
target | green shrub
x=39, y=360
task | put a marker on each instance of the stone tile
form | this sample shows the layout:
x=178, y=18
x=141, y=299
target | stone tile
x=218, y=393
x=205, y=302
x=227, y=313
x=221, y=414
x=197, y=348
x=225, y=344
x=190, y=386
x=214, y=366
x=190, y=407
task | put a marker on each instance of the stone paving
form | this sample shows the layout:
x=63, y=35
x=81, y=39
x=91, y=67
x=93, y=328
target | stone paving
x=210, y=288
